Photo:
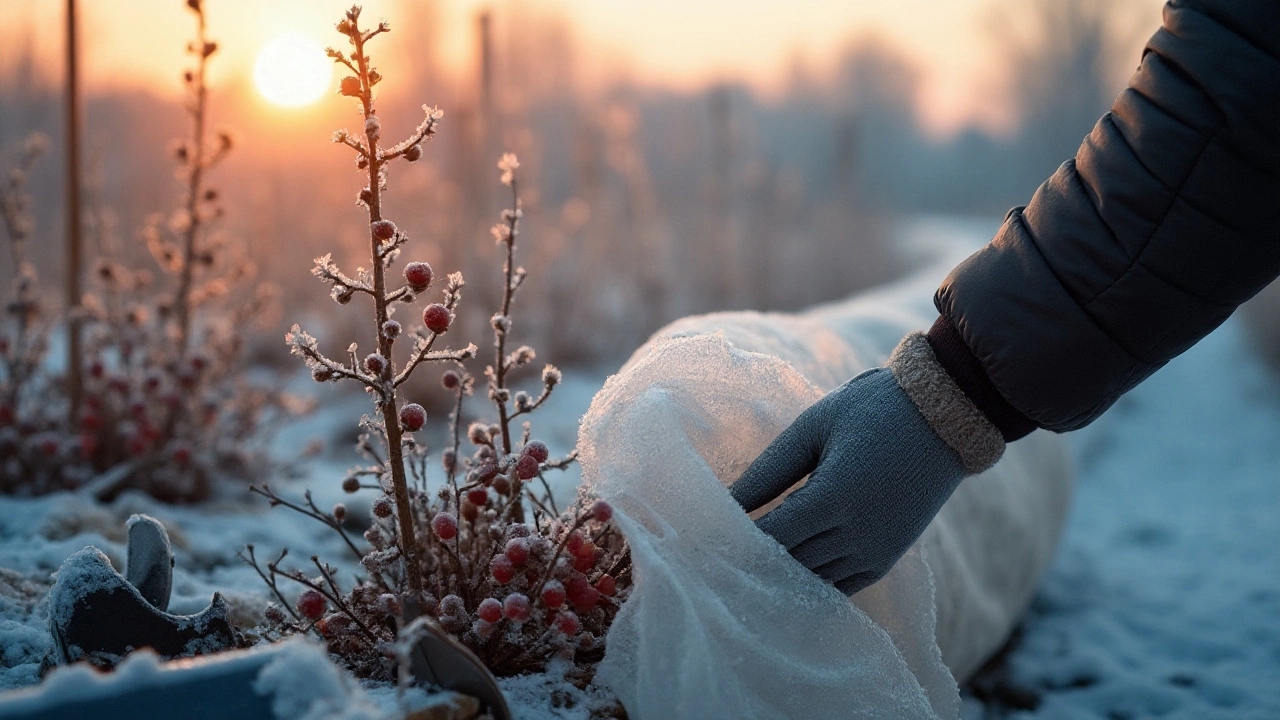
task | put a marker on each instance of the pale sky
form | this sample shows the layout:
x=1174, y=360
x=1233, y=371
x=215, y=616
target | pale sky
x=683, y=43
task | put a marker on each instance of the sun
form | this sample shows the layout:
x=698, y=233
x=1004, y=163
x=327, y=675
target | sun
x=292, y=70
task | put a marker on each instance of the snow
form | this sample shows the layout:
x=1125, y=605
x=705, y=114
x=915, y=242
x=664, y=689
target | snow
x=304, y=685
x=1166, y=597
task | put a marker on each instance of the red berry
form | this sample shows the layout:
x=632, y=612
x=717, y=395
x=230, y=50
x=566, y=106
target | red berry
x=602, y=511
x=486, y=472
x=445, y=526
x=478, y=496
x=567, y=622
x=574, y=543
x=452, y=605
x=490, y=610
x=312, y=604
x=88, y=444
x=607, y=585
x=48, y=446
x=339, y=512
x=350, y=86
x=502, y=569
x=450, y=380
x=96, y=370
x=375, y=364
x=469, y=511
x=583, y=563
x=437, y=318
x=90, y=423
x=501, y=485
x=581, y=594
x=384, y=229
x=516, y=607
x=517, y=550
x=413, y=153
x=527, y=467
x=553, y=594
x=418, y=275
x=382, y=507
x=537, y=450
x=412, y=417
x=182, y=454
x=587, y=549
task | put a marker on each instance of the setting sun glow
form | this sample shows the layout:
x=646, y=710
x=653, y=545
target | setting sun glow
x=292, y=70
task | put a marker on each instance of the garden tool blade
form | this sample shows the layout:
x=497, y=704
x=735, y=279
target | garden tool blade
x=438, y=659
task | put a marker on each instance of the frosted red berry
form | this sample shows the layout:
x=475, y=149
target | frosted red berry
x=527, y=467
x=574, y=543
x=375, y=363
x=350, y=86
x=567, y=622
x=581, y=594
x=516, y=607
x=418, y=275
x=607, y=585
x=478, y=496
x=490, y=610
x=312, y=604
x=537, y=450
x=339, y=512
x=452, y=605
x=501, y=485
x=501, y=569
x=412, y=417
x=384, y=229
x=182, y=454
x=583, y=563
x=445, y=526
x=487, y=472
x=602, y=511
x=517, y=550
x=450, y=380
x=553, y=594
x=437, y=318
x=413, y=153
x=469, y=511
x=382, y=507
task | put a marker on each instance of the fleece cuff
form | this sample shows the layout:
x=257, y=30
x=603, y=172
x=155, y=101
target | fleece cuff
x=949, y=412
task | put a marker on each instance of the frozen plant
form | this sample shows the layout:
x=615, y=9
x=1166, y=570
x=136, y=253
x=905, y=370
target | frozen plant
x=518, y=584
x=166, y=408
x=29, y=439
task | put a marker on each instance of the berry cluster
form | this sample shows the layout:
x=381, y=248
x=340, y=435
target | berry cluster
x=483, y=550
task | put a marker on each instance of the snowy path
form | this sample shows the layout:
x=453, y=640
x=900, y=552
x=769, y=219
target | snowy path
x=1165, y=600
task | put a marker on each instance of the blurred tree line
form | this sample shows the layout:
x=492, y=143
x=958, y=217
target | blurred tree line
x=643, y=203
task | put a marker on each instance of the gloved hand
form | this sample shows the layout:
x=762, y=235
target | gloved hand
x=878, y=470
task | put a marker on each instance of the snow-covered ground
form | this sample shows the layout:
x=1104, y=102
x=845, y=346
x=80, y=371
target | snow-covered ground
x=1165, y=600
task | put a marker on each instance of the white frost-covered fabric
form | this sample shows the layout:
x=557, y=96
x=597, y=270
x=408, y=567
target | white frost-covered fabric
x=723, y=623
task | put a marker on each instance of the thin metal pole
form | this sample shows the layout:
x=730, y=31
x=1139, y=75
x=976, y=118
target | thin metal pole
x=75, y=388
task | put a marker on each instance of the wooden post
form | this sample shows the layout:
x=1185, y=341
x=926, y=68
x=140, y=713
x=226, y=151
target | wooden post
x=75, y=378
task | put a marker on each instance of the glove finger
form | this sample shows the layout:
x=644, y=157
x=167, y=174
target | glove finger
x=791, y=456
x=799, y=517
x=827, y=548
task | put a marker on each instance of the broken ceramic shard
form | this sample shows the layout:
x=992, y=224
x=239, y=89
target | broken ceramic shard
x=150, y=564
x=96, y=614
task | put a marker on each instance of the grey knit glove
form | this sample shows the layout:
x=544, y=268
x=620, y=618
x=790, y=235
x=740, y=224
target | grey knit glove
x=883, y=452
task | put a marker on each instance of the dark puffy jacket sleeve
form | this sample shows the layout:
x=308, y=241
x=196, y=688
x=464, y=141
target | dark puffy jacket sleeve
x=1166, y=220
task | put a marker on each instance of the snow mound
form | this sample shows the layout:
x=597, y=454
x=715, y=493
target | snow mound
x=722, y=621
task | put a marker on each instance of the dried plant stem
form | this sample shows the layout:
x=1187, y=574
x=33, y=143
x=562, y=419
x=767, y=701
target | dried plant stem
x=195, y=180
x=406, y=535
